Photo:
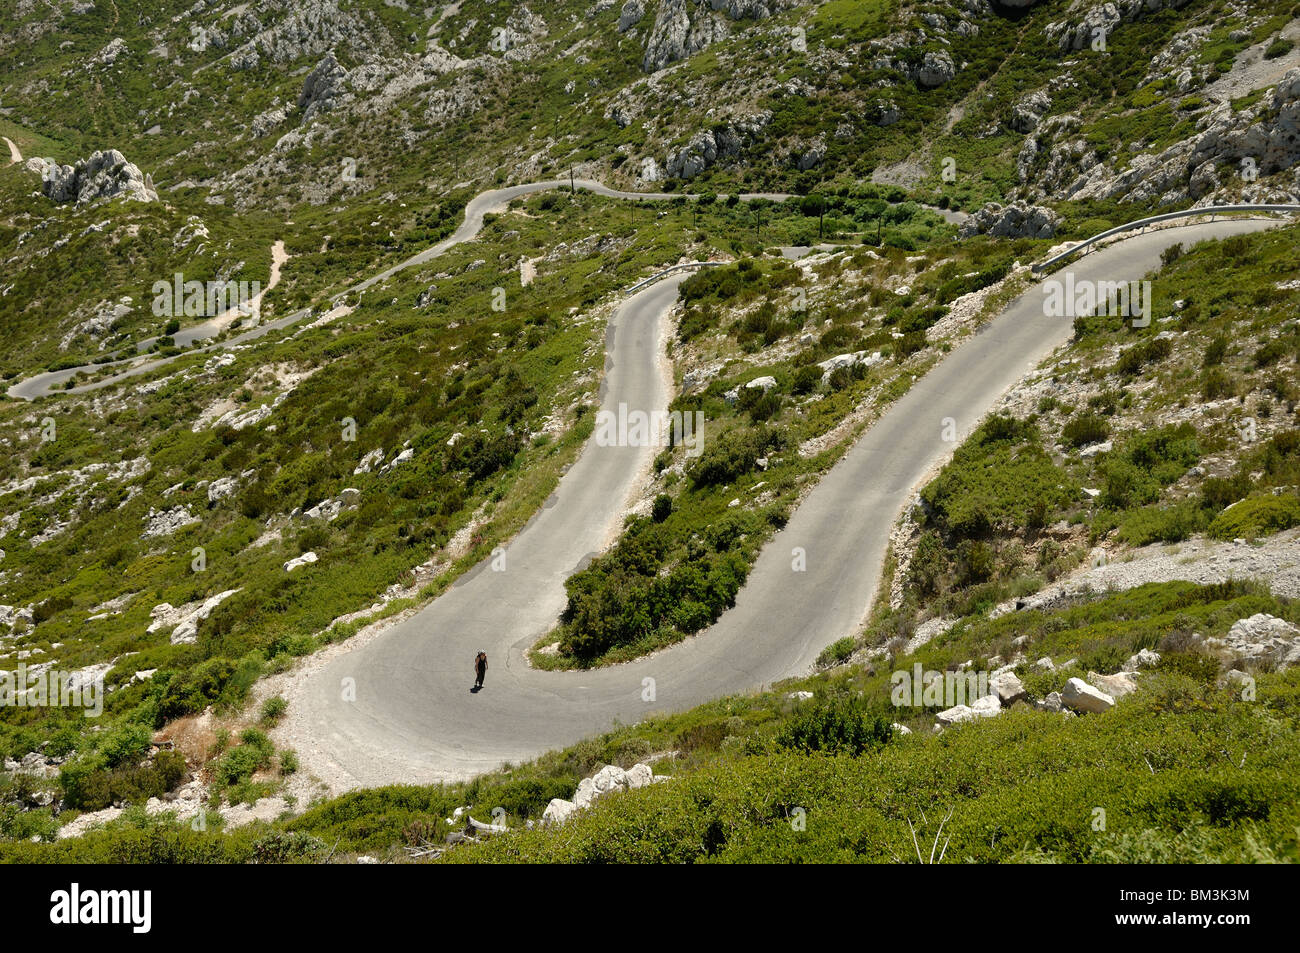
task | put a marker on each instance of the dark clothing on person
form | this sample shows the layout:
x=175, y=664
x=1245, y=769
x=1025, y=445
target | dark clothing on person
x=480, y=669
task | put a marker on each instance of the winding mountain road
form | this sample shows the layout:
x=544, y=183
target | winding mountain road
x=398, y=708
x=53, y=382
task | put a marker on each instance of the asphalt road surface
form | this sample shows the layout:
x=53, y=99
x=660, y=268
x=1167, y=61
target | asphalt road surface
x=399, y=709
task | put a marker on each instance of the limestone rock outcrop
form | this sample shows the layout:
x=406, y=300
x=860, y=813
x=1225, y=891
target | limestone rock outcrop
x=105, y=175
x=1012, y=221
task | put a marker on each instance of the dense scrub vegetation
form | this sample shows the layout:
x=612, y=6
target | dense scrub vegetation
x=764, y=777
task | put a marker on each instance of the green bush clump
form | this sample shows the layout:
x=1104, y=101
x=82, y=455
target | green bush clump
x=1083, y=429
x=1218, y=493
x=1164, y=524
x=662, y=508
x=1194, y=665
x=194, y=690
x=732, y=455
x=125, y=744
x=928, y=565
x=999, y=479
x=1257, y=516
x=252, y=754
x=1215, y=352
x=1216, y=384
x=90, y=786
x=1279, y=48
x=1270, y=353
x=908, y=344
x=1149, y=460
x=922, y=319
x=840, y=726
x=482, y=455
x=274, y=708
x=1135, y=358
x=845, y=376
x=806, y=380
x=283, y=847
x=759, y=404
x=954, y=288
x=611, y=604
x=838, y=651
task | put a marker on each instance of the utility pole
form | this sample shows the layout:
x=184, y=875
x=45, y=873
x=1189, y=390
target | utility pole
x=571, y=189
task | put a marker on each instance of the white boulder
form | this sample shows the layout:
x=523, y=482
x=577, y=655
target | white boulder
x=1145, y=658
x=303, y=560
x=557, y=812
x=1079, y=696
x=1007, y=687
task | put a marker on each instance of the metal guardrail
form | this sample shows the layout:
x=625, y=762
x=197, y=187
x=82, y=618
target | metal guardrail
x=1210, y=210
x=668, y=271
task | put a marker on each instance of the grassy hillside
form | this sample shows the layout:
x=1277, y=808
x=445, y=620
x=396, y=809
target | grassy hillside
x=399, y=435
x=1183, y=770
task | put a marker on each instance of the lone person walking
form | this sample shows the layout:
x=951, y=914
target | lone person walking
x=480, y=669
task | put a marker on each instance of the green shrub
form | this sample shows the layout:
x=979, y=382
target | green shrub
x=909, y=344
x=91, y=788
x=282, y=847
x=838, y=651
x=1215, y=352
x=843, y=377
x=1218, y=493
x=662, y=508
x=238, y=764
x=273, y=708
x=928, y=566
x=976, y=562
x=1165, y=524
x=1194, y=665
x=1216, y=384
x=761, y=406
x=1135, y=358
x=733, y=454
x=125, y=744
x=1270, y=353
x=195, y=690
x=806, y=380
x=999, y=479
x=1279, y=48
x=1148, y=460
x=841, y=726
x=1257, y=516
x=1086, y=428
